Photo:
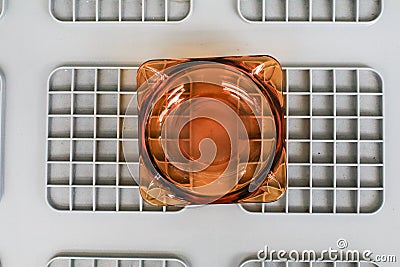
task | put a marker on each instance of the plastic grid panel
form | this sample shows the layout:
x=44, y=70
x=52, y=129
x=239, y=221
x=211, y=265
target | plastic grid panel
x=335, y=139
x=115, y=262
x=86, y=167
x=257, y=263
x=121, y=11
x=310, y=11
x=324, y=117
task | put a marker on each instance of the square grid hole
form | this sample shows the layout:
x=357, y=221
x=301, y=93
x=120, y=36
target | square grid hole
x=299, y=176
x=346, y=10
x=323, y=176
x=346, y=176
x=58, y=174
x=322, y=129
x=59, y=127
x=299, y=10
x=298, y=80
x=107, y=104
x=62, y=10
x=82, y=174
x=299, y=200
x=155, y=10
x=61, y=79
x=299, y=152
x=108, y=10
x=322, y=152
x=323, y=201
x=346, y=129
x=322, y=10
x=298, y=128
x=346, y=152
x=299, y=105
x=59, y=104
x=346, y=81
x=322, y=105
x=322, y=81
x=85, y=10
x=372, y=176
x=275, y=10
x=252, y=10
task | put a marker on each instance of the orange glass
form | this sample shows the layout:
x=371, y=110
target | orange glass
x=211, y=130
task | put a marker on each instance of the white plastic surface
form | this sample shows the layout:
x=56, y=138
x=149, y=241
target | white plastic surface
x=33, y=45
x=311, y=11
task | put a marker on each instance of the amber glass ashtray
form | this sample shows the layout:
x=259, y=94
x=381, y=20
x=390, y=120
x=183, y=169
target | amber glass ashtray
x=211, y=130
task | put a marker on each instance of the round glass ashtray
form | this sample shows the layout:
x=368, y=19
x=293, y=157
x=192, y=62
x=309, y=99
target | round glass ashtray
x=211, y=131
